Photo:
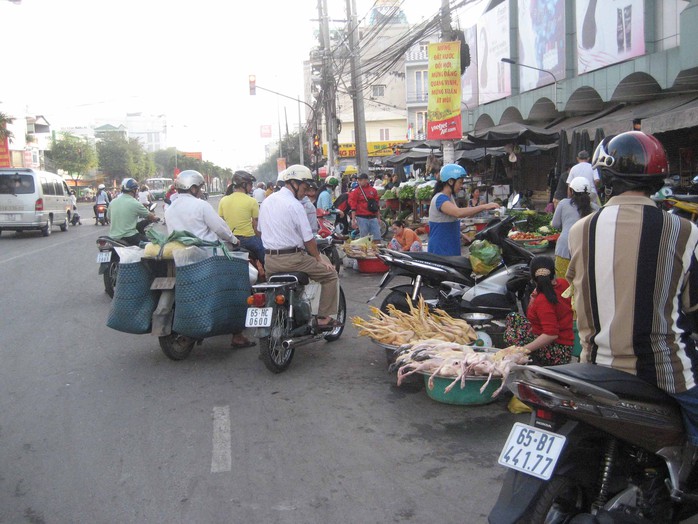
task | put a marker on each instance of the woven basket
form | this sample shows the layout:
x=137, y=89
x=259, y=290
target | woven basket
x=133, y=304
x=211, y=297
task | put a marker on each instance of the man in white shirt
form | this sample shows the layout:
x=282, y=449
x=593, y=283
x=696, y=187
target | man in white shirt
x=189, y=213
x=259, y=193
x=584, y=169
x=290, y=244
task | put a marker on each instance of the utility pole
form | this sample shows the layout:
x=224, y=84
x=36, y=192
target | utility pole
x=357, y=95
x=449, y=151
x=328, y=91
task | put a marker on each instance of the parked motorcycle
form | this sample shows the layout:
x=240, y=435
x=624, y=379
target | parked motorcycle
x=448, y=282
x=101, y=218
x=602, y=446
x=282, y=312
x=327, y=239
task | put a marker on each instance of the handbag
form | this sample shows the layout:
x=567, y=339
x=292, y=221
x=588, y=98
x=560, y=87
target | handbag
x=373, y=205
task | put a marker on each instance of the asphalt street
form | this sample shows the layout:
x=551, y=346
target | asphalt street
x=98, y=426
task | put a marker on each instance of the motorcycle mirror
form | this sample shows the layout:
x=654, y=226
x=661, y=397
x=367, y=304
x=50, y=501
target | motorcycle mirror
x=513, y=200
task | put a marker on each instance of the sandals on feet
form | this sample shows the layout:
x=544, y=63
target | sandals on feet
x=332, y=324
x=240, y=345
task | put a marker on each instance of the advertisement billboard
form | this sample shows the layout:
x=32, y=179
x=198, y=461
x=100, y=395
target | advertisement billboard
x=609, y=32
x=541, y=42
x=468, y=81
x=443, y=106
x=494, y=77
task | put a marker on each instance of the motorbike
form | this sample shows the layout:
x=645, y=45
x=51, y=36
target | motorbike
x=108, y=257
x=328, y=239
x=101, y=217
x=281, y=311
x=448, y=282
x=602, y=446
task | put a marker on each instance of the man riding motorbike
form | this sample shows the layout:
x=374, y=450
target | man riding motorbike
x=189, y=213
x=290, y=244
x=102, y=198
x=124, y=214
x=634, y=269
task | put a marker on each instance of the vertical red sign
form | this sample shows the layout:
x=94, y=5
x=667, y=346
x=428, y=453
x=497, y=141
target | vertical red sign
x=5, y=153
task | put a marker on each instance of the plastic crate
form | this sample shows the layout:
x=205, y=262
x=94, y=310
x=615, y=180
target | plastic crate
x=371, y=265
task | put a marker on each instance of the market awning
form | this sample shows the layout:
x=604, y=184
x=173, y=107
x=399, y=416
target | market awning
x=663, y=114
x=409, y=157
x=429, y=144
x=513, y=133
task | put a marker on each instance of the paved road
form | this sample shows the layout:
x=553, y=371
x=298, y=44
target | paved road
x=98, y=426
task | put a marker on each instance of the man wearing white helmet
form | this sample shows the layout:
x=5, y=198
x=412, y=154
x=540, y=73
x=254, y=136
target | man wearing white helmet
x=102, y=197
x=189, y=213
x=290, y=244
x=127, y=216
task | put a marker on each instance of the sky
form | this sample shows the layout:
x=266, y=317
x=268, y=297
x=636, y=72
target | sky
x=79, y=61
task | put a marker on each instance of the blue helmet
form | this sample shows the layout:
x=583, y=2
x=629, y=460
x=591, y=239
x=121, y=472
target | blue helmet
x=452, y=171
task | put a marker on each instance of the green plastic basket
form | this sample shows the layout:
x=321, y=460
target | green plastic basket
x=468, y=396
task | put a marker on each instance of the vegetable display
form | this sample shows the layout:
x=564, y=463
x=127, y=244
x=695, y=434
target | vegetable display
x=405, y=192
x=389, y=195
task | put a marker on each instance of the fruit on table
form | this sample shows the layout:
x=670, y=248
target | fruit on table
x=521, y=235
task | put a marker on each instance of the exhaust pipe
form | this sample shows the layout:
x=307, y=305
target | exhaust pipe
x=296, y=343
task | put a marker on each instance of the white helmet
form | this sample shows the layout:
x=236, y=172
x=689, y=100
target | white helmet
x=101, y=186
x=298, y=172
x=189, y=178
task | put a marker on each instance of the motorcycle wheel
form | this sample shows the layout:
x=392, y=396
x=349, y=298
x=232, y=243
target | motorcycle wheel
x=383, y=227
x=561, y=499
x=341, y=316
x=46, y=231
x=333, y=255
x=399, y=299
x=110, y=277
x=176, y=346
x=275, y=357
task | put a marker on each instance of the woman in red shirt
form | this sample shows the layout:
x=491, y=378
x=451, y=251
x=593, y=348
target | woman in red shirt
x=547, y=329
x=404, y=239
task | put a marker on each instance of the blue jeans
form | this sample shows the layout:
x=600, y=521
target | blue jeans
x=689, y=409
x=369, y=226
x=254, y=245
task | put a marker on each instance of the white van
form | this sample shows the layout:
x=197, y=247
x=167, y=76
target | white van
x=33, y=199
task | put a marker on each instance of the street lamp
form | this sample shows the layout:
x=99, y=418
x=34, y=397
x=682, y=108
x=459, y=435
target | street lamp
x=514, y=62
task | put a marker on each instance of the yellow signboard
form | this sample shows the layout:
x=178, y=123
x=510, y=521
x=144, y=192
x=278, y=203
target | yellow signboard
x=374, y=149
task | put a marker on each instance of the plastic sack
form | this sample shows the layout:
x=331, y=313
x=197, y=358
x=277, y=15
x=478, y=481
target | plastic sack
x=516, y=406
x=153, y=250
x=133, y=304
x=129, y=254
x=484, y=256
x=211, y=296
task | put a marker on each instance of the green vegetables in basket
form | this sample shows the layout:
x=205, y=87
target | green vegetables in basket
x=405, y=192
x=389, y=194
x=424, y=193
x=529, y=222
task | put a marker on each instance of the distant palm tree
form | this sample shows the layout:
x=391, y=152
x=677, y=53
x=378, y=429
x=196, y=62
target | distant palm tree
x=4, y=132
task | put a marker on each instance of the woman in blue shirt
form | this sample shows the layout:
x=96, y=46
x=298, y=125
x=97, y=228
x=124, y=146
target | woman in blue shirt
x=445, y=215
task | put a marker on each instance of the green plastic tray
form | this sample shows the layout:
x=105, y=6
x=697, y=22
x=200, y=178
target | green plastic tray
x=468, y=396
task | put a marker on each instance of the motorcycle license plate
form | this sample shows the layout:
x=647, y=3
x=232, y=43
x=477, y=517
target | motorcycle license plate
x=258, y=316
x=532, y=450
x=100, y=215
x=103, y=257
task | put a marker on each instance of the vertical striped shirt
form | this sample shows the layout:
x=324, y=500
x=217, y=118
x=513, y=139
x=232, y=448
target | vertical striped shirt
x=635, y=276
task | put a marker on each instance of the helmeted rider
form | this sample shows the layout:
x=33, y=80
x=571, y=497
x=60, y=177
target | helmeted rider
x=634, y=269
x=189, y=213
x=101, y=198
x=290, y=244
x=310, y=209
x=444, y=213
x=241, y=212
x=128, y=216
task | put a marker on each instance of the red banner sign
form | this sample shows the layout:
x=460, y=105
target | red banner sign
x=5, y=153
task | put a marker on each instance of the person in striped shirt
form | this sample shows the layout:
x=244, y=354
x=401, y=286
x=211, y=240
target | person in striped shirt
x=634, y=270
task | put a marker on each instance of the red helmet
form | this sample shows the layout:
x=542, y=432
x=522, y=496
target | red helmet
x=632, y=155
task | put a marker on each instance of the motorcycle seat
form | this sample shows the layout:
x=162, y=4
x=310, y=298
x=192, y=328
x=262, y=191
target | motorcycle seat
x=462, y=264
x=622, y=384
x=290, y=276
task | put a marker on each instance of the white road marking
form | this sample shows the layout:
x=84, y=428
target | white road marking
x=51, y=246
x=221, y=459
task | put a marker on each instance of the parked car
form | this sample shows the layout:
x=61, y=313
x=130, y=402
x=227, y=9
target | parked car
x=31, y=199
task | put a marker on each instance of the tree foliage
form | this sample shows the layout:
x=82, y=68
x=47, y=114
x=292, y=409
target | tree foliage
x=73, y=155
x=166, y=163
x=4, y=132
x=267, y=171
x=121, y=158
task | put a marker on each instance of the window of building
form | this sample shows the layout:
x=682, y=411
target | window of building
x=385, y=134
x=421, y=122
x=424, y=47
x=421, y=82
x=377, y=90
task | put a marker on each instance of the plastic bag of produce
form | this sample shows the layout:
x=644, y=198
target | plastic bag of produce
x=484, y=256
